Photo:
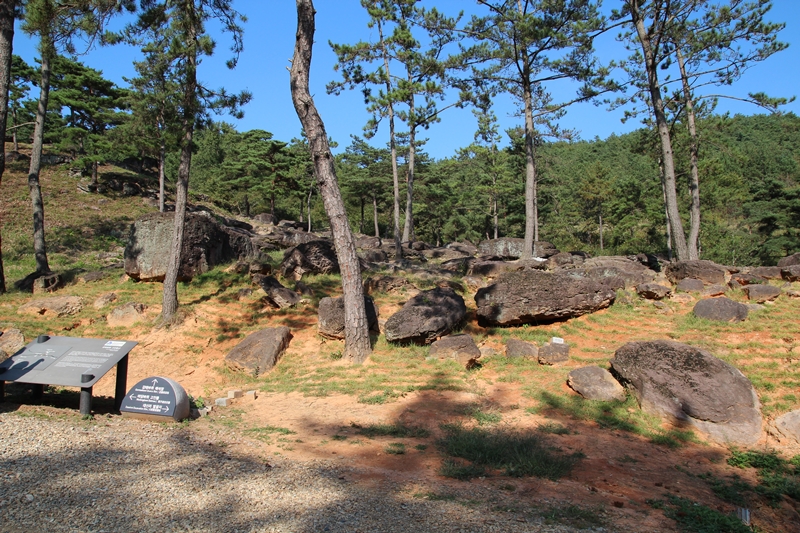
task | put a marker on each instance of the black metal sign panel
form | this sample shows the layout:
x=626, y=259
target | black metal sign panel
x=66, y=361
x=151, y=396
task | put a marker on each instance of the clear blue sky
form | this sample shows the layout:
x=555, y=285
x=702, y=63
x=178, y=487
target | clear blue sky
x=269, y=42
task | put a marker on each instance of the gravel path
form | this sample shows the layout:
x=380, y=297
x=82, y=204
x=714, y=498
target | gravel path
x=120, y=475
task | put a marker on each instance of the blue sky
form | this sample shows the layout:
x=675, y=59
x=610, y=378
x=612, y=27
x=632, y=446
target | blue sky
x=269, y=42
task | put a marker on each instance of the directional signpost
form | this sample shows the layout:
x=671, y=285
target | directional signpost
x=156, y=398
x=69, y=362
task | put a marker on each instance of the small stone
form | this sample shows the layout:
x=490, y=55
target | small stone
x=233, y=394
x=251, y=395
x=29, y=498
x=222, y=402
x=553, y=352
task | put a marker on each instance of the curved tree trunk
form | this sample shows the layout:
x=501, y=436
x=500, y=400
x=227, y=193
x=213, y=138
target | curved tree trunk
x=356, y=334
x=670, y=193
x=39, y=245
x=7, y=9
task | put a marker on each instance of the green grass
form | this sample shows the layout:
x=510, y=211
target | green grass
x=265, y=433
x=574, y=516
x=396, y=430
x=776, y=476
x=693, y=517
x=515, y=453
x=395, y=448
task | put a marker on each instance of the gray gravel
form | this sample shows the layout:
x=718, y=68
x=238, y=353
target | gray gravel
x=120, y=475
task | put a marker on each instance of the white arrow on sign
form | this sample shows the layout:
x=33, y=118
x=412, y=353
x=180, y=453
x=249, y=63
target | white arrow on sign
x=155, y=382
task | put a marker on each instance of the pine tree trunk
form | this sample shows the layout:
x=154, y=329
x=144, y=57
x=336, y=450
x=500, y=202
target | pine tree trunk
x=601, y=231
x=375, y=215
x=357, y=342
x=189, y=114
x=39, y=245
x=531, y=207
x=361, y=225
x=162, y=157
x=7, y=9
x=694, y=180
x=408, y=227
x=393, y=148
x=662, y=125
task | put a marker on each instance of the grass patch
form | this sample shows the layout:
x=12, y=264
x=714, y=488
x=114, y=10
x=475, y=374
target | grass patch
x=395, y=448
x=574, y=516
x=265, y=433
x=396, y=430
x=483, y=417
x=776, y=476
x=516, y=453
x=693, y=517
x=553, y=428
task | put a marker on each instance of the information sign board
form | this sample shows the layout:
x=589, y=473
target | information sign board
x=156, y=398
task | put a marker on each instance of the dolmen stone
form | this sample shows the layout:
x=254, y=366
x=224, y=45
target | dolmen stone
x=55, y=306
x=791, y=273
x=314, y=257
x=618, y=272
x=426, y=317
x=260, y=351
x=595, y=383
x=706, y=271
x=387, y=284
x=690, y=285
x=554, y=352
x=517, y=348
x=790, y=260
x=206, y=244
x=653, y=291
x=720, y=309
x=534, y=296
x=762, y=293
x=716, y=289
x=277, y=295
x=126, y=315
x=511, y=248
x=788, y=426
x=689, y=385
x=331, y=316
x=767, y=272
x=461, y=348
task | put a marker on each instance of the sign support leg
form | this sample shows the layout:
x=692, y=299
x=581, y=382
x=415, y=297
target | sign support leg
x=122, y=382
x=38, y=391
x=86, y=401
x=2, y=391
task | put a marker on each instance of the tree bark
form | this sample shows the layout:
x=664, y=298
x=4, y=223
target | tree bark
x=531, y=200
x=670, y=194
x=408, y=227
x=694, y=180
x=39, y=245
x=169, y=306
x=162, y=156
x=393, y=148
x=375, y=215
x=7, y=9
x=357, y=342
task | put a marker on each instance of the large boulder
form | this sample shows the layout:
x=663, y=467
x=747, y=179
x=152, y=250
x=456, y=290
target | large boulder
x=793, y=259
x=534, y=296
x=206, y=244
x=331, y=316
x=707, y=271
x=56, y=306
x=788, y=426
x=767, y=272
x=689, y=385
x=595, y=383
x=511, y=248
x=720, y=309
x=11, y=341
x=426, y=317
x=259, y=352
x=126, y=315
x=314, y=257
x=517, y=348
x=461, y=348
x=690, y=285
x=388, y=284
x=653, y=291
x=762, y=293
x=277, y=295
x=791, y=273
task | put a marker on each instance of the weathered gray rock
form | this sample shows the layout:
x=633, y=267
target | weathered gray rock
x=553, y=353
x=12, y=341
x=653, y=291
x=788, y=426
x=365, y=242
x=314, y=257
x=617, y=271
x=47, y=283
x=793, y=259
x=466, y=248
x=518, y=348
x=706, y=271
x=444, y=254
x=563, y=259
x=535, y=296
x=105, y=299
x=206, y=244
x=460, y=347
x=749, y=278
x=57, y=305
x=126, y=315
x=767, y=272
x=511, y=248
x=791, y=273
x=490, y=269
x=595, y=383
x=331, y=316
x=762, y=293
x=277, y=295
x=690, y=285
x=692, y=386
x=259, y=352
x=713, y=290
x=265, y=218
x=425, y=317
x=374, y=256
x=720, y=309
x=91, y=277
x=388, y=284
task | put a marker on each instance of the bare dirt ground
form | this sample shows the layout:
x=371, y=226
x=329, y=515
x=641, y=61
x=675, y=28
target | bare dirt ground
x=621, y=474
